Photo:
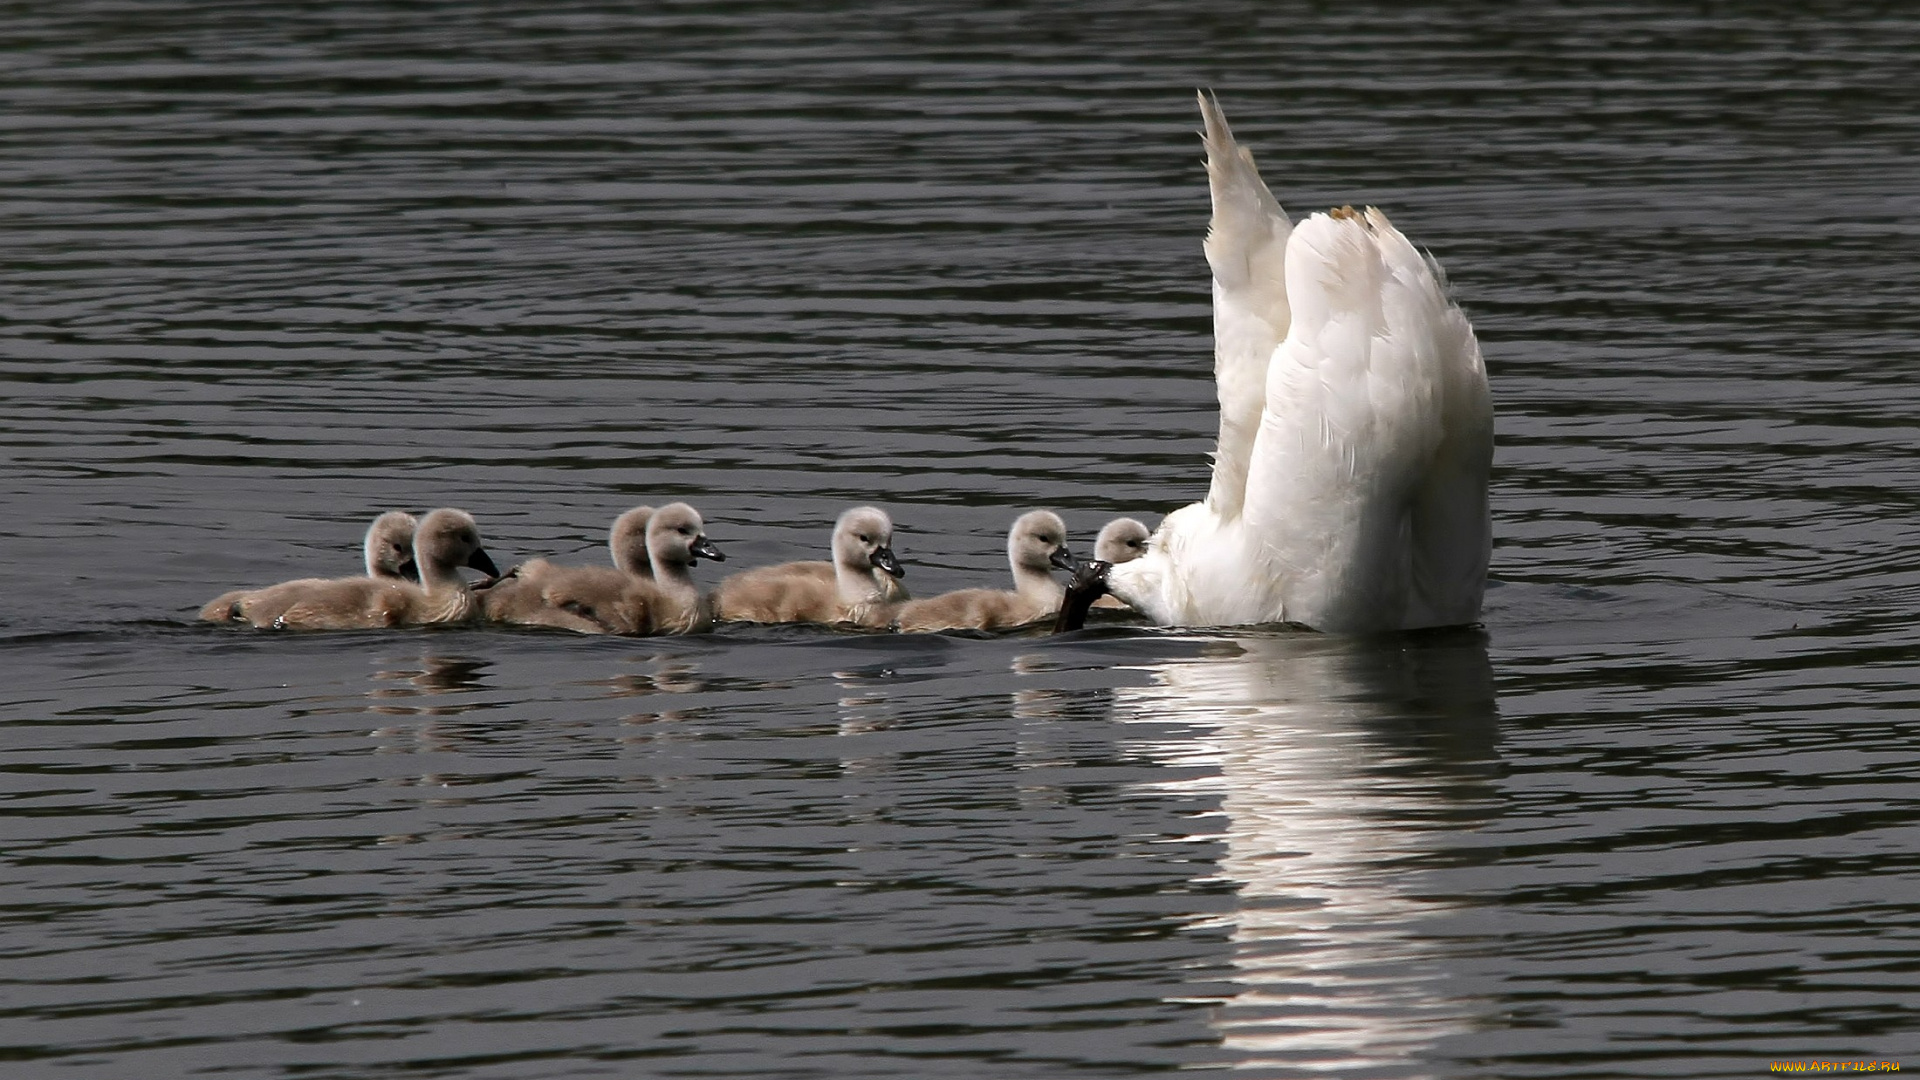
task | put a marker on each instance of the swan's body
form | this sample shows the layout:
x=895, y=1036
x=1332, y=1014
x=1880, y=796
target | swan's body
x=1036, y=545
x=859, y=587
x=445, y=541
x=388, y=550
x=649, y=590
x=1349, y=490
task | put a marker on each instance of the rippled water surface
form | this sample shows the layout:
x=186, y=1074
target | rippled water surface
x=272, y=268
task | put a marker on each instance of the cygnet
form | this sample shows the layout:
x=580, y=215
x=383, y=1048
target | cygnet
x=1120, y=540
x=389, y=555
x=1036, y=545
x=859, y=587
x=519, y=598
x=593, y=600
x=445, y=541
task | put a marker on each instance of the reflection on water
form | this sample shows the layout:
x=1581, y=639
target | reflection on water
x=436, y=676
x=671, y=677
x=419, y=690
x=1340, y=762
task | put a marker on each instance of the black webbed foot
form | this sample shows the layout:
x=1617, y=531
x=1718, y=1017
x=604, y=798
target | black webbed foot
x=1089, y=584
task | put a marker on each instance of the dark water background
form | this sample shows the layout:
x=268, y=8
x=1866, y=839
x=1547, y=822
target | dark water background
x=271, y=268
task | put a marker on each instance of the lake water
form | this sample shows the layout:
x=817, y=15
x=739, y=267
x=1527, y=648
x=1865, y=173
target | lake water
x=273, y=268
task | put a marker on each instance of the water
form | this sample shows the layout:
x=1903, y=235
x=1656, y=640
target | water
x=273, y=268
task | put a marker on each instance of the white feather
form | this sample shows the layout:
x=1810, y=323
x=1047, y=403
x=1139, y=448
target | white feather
x=1246, y=248
x=1358, y=501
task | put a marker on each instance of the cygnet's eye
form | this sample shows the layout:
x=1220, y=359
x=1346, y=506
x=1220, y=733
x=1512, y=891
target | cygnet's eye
x=865, y=539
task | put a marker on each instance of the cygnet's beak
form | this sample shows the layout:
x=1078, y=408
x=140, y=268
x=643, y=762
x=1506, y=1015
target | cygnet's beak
x=883, y=559
x=1089, y=584
x=703, y=548
x=482, y=562
x=1062, y=559
x=409, y=570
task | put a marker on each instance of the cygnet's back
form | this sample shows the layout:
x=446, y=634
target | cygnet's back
x=445, y=541
x=521, y=598
x=388, y=550
x=1121, y=540
x=602, y=601
x=858, y=587
x=1036, y=545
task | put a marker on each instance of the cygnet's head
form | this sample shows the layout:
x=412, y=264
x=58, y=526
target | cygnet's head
x=389, y=546
x=863, y=541
x=446, y=540
x=1121, y=540
x=676, y=537
x=1038, y=541
x=627, y=541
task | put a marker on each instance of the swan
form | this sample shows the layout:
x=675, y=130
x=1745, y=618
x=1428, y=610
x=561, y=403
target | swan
x=445, y=541
x=388, y=550
x=1036, y=545
x=600, y=600
x=859, y=586
x=1349, y=487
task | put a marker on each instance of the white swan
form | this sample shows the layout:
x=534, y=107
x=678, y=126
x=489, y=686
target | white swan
x=1349, y=489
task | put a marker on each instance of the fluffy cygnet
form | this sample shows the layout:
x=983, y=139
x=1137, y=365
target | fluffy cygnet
x=389, y=555
x=520, y=597
x=445, y=541
x=859, y=586
x=1120, y=540
x=389, y=546
x=627, y=543
x=1036, y=545
x=595, y=600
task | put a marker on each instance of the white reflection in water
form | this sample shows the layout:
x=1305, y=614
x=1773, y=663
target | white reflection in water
x=1344, y=763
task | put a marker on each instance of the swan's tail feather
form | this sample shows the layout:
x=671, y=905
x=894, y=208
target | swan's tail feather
x=1246, y=248
x=1451, y=530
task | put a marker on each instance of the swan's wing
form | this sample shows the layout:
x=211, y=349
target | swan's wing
x=1451, y=529
x=1246, y=247
x=1367, y=483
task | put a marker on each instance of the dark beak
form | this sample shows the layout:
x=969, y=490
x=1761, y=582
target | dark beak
x=703, y=548
x=1089, y=584
x=883, y=558
x=1062, y=559
x=482, y=562
x=410, y=570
